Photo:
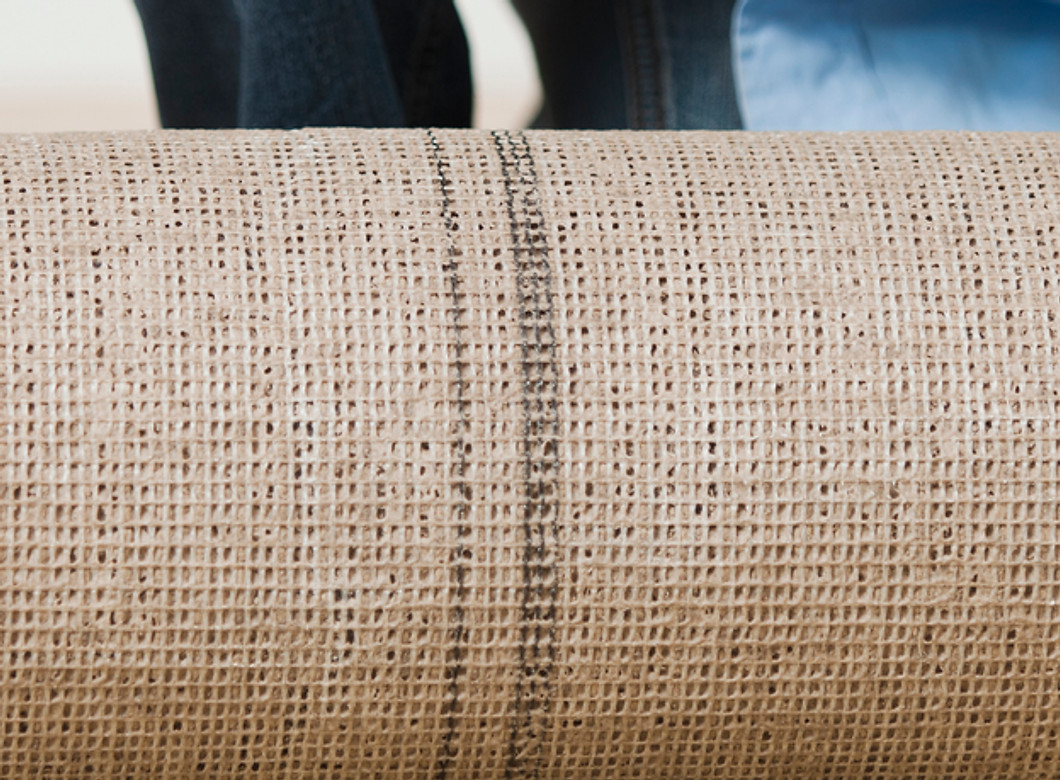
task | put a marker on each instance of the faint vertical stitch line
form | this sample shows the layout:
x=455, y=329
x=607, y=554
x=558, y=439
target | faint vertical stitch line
x=659, y=62
x=14, y=425
x=524, y=630
x=250, y=517
x=535, y=381
x=464, y=426
x=279, y=176
x=623, y=15
x=550, y=503
x=542, y=492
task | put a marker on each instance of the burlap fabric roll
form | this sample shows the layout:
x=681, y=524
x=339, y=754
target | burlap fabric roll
x=413, y=455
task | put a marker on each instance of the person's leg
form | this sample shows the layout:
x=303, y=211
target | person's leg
x=642, y=64
x=314, y=62
x=580, y=60
x=273, y=63
x=428, y=55
x=699, y=42
x=194, y=50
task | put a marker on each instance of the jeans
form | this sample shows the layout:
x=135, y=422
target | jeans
x=641, y=64
x=292, y=63
x=987, y=65
x=387, y=63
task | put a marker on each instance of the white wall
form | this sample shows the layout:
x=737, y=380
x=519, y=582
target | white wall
x=82, y=65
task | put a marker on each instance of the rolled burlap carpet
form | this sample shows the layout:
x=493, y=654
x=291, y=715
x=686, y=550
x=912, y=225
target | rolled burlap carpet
x=442, y=455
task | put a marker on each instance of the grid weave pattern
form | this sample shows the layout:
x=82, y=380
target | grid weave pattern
x=440, y=455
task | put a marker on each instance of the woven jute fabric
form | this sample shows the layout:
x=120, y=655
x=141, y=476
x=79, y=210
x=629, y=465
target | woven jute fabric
x=422, y=455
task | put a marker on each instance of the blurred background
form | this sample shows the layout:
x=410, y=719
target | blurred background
x=82, y=65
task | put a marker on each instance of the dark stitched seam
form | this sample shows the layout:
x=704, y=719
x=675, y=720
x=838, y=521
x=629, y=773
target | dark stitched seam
x=517, y=704
x=463, y=491
x=549, y=507
x=629, y=58
x=535, y=381
x=538, y=384
x=541, y=430
x=643, y=64
x=659, y=64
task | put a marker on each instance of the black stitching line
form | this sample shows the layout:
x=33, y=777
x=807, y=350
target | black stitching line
x=530, y=251
x=517, y=704
x=463, y=490
x=550, y=508
x=535, y=487
x=647, y=88
x=541, y=277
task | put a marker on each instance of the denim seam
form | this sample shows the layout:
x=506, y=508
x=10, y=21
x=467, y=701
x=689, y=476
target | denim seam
x=644, y=62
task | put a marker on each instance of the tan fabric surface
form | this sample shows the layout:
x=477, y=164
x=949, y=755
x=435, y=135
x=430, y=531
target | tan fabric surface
x=348, y=454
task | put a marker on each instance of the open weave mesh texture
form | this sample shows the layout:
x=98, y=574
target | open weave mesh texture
x=440, y=455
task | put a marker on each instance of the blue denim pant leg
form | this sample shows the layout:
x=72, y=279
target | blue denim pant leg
x=314, y=62
x=699, y=48
x=642, y=64
x=275, y=63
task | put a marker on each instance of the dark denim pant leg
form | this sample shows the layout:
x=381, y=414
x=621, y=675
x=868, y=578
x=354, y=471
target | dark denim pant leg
x=194, y=50
x=580, y=61
x=314, y=63
x=641, y=64
x=430, y=60
x=277, y=63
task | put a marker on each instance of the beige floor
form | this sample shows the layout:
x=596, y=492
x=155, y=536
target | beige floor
x=81, y=65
